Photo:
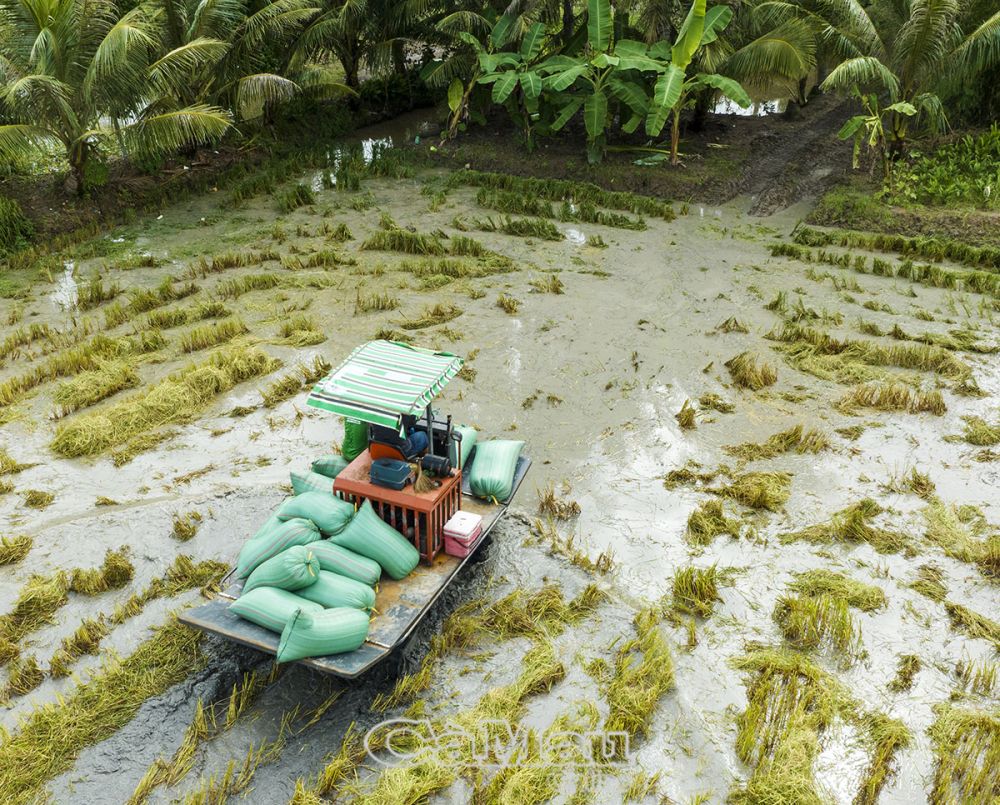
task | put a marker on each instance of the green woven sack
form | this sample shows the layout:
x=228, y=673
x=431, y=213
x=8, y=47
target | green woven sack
x=468, y=442
x=262, y=547
x=310, y=482
x=492, y=475
x=355, y=439
x=330, y=514
x=318, y=634
x=333, y=590
x=369, y=535
x=292, y=569
x=270, y=607
x=329, y=466
x=345, y=563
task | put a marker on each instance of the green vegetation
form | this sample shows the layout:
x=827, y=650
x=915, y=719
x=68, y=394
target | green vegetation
x=967, y=750
x=749, y=374
x=852, y=525
x=795, y=438
x=176, y=399
x=962, y=172
x=14, y=549
x=815, y=583
x=695, y=590
x=759, y=490
x=709, y=521
x=16, y=231
x=50, y=737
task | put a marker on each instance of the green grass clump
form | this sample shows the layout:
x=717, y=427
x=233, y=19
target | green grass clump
x=807, y=621
x=709, y=521
x=885, y=737
x=955, y=529
x=95, y=293
x=49, y=739
x=186, y=525
x=796, y=439
x=14, y=549
x=695, y=590
x=923, y=357
x=814, y=583
x=521, y=227
x=229, y=260
x=95, y=385
x=711, y=400
x=237, y=286
x=967, y=751
x=908, y=667
x=432, y=316
x=211, y=335
x=892, y=396
x=643, y=674
x=115, y=572
x=562, y=189
x=289, y=385
x=37, y=498
x=551, y=284
x=759, y=490
x=176, y=316
x=367, y=303
x=979, y=432
x=179, y=398
x=973, y=624
x=852, y=525
x=294, y=197
x=790, y=702
x=85, y=640
x=749, y=374
x=9, y=465
x=402, y=240
x=23, y=676
x=508, y=304
x=37, y=602
x=183, y=574
x=514, y=202
x=930, y=248
x=80, y=358
x=301, y=331
x=25, y=336
x=686, y=416
x=930, y=582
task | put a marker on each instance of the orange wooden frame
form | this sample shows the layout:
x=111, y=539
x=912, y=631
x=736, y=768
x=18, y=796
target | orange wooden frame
x=419, y=517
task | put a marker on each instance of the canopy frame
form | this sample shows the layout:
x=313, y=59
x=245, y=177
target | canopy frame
x=380, y=382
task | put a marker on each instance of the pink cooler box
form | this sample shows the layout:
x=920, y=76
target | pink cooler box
x=461, y=533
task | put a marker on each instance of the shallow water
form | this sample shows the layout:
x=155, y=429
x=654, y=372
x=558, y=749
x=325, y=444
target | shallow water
x=591, y=380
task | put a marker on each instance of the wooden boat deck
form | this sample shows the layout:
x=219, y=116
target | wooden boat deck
x=399, y=605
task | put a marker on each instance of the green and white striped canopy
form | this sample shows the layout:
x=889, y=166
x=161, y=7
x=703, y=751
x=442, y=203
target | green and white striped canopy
x=383, y=380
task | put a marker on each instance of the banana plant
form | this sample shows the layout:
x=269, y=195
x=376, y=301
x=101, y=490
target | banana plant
x=870, y=129
x=606, y=70
x=513, y=74
x=674, y=88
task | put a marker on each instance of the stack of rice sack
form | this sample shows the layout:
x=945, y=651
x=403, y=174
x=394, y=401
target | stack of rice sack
x=310, y=572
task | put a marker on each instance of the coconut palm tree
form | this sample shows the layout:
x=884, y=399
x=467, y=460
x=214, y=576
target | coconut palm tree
x=913, y=52
x=218, y=52
x=75, y=73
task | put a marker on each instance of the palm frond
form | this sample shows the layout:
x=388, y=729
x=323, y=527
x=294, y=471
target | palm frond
x=865, y=71
x=19, y=139
x=255, y=92
x=175, y=69
x=788, y=52
x=166, y=132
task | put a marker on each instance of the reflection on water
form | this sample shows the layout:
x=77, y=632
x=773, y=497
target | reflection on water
x=65, y=294
x=371, y=149
x=576, y=237
x=724, y=106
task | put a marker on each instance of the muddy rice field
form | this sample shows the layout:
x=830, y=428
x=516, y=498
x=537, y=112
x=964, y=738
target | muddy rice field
x=759, y=542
